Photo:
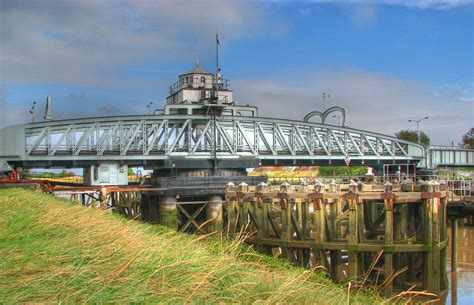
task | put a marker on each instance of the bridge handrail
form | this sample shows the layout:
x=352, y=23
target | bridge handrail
x=183, y=135
x=138, y=118
x=448, y=147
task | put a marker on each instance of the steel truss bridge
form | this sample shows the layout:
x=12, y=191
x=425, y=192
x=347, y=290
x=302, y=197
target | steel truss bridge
x=439, y=156
x=195, y=141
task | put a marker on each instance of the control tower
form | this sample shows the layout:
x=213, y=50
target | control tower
x=199, y=86
x=200, y=92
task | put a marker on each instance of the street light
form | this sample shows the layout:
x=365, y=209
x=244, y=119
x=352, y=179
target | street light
x=149, y=107
x=325, y=96
x=339, y=119
x=32, y=111
x=418, y=127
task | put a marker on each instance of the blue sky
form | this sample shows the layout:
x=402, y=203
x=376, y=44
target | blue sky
x=385, y=61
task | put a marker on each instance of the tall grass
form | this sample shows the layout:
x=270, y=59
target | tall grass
x=52, y=250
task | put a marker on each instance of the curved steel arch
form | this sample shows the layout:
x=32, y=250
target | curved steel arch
x=323, y=115
x=167, y=137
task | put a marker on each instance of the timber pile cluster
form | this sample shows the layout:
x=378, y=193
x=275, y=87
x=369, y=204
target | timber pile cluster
x=391, y=237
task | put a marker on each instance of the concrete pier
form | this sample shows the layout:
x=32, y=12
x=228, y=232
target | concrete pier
x=168, y=214
x=214, y=214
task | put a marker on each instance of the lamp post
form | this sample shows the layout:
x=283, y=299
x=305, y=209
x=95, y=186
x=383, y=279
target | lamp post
x=339, y=119
x=325, y=96
x=32, y=112
x=418, y=127
x=149, y=107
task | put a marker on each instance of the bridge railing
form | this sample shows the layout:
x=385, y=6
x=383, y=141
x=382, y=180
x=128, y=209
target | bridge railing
x=203, y=136
x=448, y=147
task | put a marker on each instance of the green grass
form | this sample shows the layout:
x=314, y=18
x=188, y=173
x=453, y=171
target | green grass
x=53, y=250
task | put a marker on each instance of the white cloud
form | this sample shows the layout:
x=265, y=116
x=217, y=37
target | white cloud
x=455, y=92
x=88, y=41
x=427, y=4
x=421, y=4
x=374, y=102
x=364, y=14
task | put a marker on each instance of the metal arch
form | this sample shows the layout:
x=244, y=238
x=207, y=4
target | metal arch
x=191, y=136
x=324, y=115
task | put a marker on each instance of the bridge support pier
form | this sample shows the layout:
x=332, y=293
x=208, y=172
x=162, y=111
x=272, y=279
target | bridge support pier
x=214, y=214
x=168, y=214
x=159, y=209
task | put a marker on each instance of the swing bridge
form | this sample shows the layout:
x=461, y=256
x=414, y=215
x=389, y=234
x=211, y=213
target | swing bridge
x=199, y=146
x=191, y=141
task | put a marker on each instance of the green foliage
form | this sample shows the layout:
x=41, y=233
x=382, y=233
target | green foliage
x=351, y=171
x=49, y=175
x=130, y=171
x=56, y=251
x=412, y=136
x=468, y=139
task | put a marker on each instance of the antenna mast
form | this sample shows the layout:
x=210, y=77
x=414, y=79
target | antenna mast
x=217, y=67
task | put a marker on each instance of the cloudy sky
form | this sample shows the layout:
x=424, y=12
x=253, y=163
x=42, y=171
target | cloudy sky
x=386, y=61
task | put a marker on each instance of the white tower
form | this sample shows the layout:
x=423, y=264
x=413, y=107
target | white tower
x=199, y=86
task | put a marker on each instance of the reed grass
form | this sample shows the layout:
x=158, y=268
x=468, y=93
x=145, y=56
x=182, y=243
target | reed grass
x=55, y=251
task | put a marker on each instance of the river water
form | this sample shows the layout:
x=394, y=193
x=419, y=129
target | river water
x=461, y=283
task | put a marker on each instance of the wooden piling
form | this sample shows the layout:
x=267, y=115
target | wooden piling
x=310, y=226
x=454, y=245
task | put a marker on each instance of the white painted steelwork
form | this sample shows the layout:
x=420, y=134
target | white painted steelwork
x=439, y=155
x=192, y=137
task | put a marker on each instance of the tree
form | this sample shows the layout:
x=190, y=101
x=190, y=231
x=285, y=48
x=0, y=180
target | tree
x=352, y=171
x=412, y=136
x=63, y=173
x=468, y=139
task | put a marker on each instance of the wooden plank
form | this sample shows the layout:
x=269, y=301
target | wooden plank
x=354, y=268
x=230, y=207
x=366, y=247
x=264, y=216
x=319, y=221
x=335, y=256
x=388, y=268
x=296, y=226
x=273, y=225
x=388, y=221
x=360, y=220
x=353, y=230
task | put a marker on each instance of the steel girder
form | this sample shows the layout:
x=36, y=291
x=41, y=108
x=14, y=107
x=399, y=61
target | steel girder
x=192, y=136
